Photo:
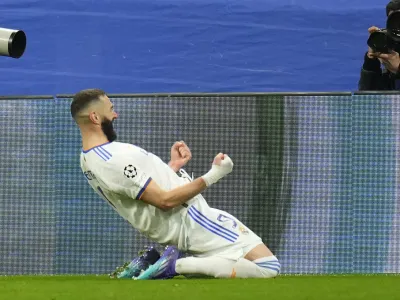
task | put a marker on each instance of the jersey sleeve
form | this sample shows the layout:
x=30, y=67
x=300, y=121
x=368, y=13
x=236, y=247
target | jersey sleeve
x=127, y=178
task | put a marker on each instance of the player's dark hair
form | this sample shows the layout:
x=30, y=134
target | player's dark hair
x=392, y=6
x=83, y=99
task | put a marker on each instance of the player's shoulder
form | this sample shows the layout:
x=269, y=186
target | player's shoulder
x=116, y=147
x=126, y=148
x=124, y=152
x=126, y=157
x=115, y=152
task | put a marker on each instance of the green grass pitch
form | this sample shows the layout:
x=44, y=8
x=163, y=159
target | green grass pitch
x=283, y=287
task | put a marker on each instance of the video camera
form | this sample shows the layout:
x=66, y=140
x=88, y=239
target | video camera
x=12, y=42
x=387, y=39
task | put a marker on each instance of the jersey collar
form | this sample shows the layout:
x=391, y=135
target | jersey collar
x=95, y=147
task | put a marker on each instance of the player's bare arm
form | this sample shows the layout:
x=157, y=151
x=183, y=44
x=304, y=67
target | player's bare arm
x=180, y=155
x=166, y=200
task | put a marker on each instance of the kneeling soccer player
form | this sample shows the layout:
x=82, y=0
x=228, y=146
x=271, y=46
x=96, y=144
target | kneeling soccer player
x=165, y=207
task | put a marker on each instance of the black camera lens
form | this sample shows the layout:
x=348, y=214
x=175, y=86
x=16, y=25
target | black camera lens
x=379, y=42
x=17, y=44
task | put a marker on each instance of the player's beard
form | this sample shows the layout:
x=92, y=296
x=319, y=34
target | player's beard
x=108, y=129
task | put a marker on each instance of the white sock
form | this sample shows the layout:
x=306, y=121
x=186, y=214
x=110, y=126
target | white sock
x=217, y=267
x=265, y=267
x=210, y=266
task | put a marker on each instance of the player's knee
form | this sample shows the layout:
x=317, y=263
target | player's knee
x=270, y=268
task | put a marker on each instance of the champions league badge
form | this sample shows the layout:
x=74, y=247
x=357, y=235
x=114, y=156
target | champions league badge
x=130, y=171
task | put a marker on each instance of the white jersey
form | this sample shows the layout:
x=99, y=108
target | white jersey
x=120, y=173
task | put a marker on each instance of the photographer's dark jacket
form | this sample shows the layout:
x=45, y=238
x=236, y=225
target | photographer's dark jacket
x=373, y=78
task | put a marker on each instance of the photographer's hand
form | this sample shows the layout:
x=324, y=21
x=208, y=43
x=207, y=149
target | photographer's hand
x=391, y=61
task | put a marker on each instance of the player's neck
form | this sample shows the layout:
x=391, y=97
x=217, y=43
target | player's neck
x=91, y=140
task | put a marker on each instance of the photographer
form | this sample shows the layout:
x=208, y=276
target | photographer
x=373, y=78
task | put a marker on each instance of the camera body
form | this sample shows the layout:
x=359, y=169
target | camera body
x=387, y=39
x=380, y=41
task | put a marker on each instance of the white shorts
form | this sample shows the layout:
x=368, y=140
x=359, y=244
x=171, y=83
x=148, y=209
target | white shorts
x=213, y=232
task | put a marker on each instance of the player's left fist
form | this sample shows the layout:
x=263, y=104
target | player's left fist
x=180, y=155
x=222, y=165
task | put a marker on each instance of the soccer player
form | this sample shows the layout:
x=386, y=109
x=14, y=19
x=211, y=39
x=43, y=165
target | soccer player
x=167, y=208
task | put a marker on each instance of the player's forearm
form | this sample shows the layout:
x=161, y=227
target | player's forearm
x=180, y=195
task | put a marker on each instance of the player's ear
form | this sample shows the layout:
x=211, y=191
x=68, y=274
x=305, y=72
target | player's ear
x=94, y=117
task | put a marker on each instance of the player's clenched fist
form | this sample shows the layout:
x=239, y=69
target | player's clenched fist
x=221, y=166
x=180, y=155
x=224, y=161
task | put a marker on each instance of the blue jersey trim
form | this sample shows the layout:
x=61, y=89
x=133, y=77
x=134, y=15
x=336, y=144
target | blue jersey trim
x=103, y=152
x=95, y=147
x=210, y=227
x=106, y=152
x=218, y=227
x=97, y=151
x=143, y=189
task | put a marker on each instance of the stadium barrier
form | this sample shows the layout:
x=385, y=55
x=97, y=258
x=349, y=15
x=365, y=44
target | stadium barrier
x=316, y=176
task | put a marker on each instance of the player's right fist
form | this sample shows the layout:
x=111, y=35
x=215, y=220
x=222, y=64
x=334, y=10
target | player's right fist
x=222, y=166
